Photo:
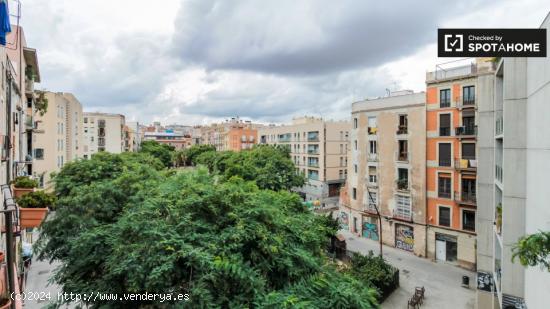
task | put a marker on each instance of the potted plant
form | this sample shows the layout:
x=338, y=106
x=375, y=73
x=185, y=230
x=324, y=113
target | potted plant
x=23, y=185
x=33, y=208
x=402, y=184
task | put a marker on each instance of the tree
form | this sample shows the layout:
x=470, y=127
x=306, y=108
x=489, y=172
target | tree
x=163, y=152
x=131, y=227
x=533, y=250
x=269, y=166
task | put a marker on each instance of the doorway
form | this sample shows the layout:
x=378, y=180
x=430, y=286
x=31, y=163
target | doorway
x=445, y=248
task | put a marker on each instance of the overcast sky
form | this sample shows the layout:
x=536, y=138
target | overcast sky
x=198, y=61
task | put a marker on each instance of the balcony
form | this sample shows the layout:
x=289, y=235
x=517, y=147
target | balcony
x=313, y=136
x=402, y=215
x=101, y=123
x=313, y=164
x=468, y=102
x=402, y=156
x=370, y=208
x=372, y=130
x=498, y=172
x=372, y=157
x=29, y=85
x=311, y=149
x=465, y=164
x=466, y=197
x=284, y=138
x=401, y=130
x=466, y=131
x=402, y=184
x=444, y=162
x=444, y=131
x=499, y=123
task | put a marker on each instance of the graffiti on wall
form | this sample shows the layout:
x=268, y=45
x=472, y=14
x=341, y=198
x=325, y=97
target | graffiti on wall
x=404, y=237
x=485, y=281
x=343, y=220
x=370, y=230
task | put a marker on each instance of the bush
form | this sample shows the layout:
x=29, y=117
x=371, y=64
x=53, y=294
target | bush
x=376, y=272
x=24, y=182
x=38, y=199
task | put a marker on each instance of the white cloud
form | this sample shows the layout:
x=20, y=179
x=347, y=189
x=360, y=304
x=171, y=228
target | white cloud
x=197, y=61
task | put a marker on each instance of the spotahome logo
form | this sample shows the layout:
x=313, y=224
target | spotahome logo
x=491, y=42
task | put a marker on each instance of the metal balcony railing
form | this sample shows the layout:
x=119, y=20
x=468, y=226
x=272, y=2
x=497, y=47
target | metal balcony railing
x=402, y=156
x=401, y=130
x=465, y=164
x=372, y=157
x=402, y=215
x=499, y=123
x=466, y=197
x=466, y=130
x=402, y=184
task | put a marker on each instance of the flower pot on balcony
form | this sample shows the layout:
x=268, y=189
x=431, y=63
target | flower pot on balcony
x=23, y=185
x=33, y=208
x=32, y=217
x=19, y=192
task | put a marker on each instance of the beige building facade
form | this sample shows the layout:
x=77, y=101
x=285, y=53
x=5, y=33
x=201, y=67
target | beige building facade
x=386, y=170
x=104, y=132
x=319, y=149
x=58, y=135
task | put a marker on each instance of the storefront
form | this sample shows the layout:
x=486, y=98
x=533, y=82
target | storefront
x=445, y=247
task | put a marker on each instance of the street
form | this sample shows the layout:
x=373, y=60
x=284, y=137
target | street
x=442, y=281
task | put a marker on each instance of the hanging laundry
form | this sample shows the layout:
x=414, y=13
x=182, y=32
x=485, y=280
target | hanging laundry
x=5, y=26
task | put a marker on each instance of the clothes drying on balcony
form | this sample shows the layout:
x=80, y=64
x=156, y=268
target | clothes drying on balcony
x=5, y=26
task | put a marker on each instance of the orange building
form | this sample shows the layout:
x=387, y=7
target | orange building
x=240, y=138
x=451, y=164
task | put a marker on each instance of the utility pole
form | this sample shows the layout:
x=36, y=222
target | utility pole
x=379, y=221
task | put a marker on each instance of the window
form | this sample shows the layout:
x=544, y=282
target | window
x=469, y=220
x=354, y=193
x=444, y=124
x=85, y=119
x=468, y=123
x=372, y=175
x=355, y=144
x=403, y=151
x=372, y=199
x=403, y=207
x=372, y=147
x=444, y=216
x=355, y=168
x=469, y=151
x=444, y=185
x=341, y=161
x=468, y=95
x=445, y=98
x=355, y=123
x=39, y=153
x=403, y=123
x=402, y=178
x=445, y=154
x=372, y=125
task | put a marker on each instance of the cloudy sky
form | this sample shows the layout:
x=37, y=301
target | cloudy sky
x=199, y=61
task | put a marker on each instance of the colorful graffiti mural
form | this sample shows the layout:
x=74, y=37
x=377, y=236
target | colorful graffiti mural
x=343, y=219
x=370, y=230
x=404, y=237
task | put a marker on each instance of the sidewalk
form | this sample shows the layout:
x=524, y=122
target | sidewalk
x=442, y=281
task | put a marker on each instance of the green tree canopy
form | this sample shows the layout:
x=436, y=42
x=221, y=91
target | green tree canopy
x=132, y=228
x=533, y=250
x=269, y=166
x=163, y=152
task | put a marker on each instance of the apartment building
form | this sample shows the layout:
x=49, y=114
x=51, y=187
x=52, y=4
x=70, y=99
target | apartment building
x=103, y=132
x=514, y=195
x=178, y=140
x=233, y=134
x=318, y=148
x=58, y=135
x=20, y=72
x=452, y=98
x=387, y=171
x=134, y=135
